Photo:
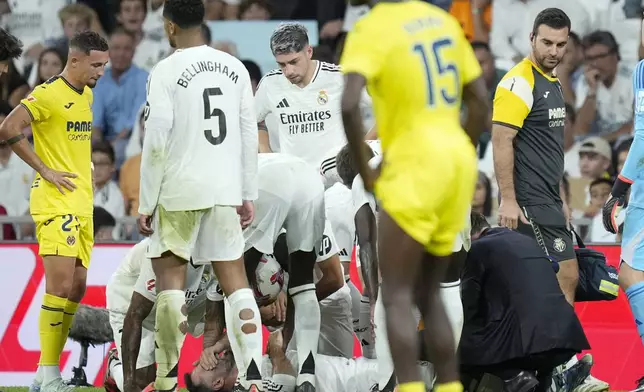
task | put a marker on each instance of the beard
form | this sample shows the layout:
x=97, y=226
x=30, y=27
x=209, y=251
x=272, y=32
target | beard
x=547, y=64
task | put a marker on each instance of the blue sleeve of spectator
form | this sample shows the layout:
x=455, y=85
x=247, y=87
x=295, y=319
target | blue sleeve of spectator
x=636, y=153
x=98, y=110
x=139, y=95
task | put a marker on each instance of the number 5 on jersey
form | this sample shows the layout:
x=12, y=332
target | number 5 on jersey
x=209, y=113
x=439, y=74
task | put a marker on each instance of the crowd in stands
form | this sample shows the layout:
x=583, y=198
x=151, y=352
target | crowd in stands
x=602, y=50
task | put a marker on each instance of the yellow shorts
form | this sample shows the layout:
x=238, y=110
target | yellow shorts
x=65, y=235
x=426, y=185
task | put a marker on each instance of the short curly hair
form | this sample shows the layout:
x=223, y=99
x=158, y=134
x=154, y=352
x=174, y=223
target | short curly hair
x=10, y=46
x=86, y=41
x=184, y=13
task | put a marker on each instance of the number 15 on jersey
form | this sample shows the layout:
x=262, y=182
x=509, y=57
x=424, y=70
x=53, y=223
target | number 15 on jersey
x=439, y=73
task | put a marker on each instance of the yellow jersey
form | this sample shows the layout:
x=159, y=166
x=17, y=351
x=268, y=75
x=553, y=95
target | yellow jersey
x=62, y=127
x=416, y=59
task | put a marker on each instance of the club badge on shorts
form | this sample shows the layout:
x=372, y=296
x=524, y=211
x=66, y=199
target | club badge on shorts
x=323, y=98
x=71, y=240
x=559, y=245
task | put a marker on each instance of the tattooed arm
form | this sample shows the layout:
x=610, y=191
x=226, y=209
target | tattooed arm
x=215, y=321
x=366, y=231
x=140, y=308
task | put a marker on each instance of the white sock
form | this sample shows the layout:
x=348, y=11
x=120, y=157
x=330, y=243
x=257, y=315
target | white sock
x=171, y=324
x=355, y=301
x=306, y=330
x=39, y=376
x=116, y=370
x=450, y=294
x=383, y=355
x=249, y=345
x=364, y=330
x=50, y=373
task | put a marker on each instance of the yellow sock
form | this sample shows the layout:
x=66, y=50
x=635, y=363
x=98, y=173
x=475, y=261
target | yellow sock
x=50, y=326
x=416, y=386
x=454, y=386
x=68, y=317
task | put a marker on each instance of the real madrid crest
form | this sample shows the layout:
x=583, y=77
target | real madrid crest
x=323, y=98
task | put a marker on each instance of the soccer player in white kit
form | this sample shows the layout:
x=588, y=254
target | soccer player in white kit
x=291, y=197
x=304, y=97
x=198, y=171
x=131, y=298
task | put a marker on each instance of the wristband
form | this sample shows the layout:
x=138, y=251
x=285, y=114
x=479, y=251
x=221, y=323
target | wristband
x=15, y=139
x=620, y=187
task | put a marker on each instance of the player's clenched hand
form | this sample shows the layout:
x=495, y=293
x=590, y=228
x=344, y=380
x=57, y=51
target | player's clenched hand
x=145, y=225
x=246, y=213
x=510, y=213
x=59, y=179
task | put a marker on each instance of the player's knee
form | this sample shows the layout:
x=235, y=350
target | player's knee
x=394, y=296
x=247, y=315
x=61, y=288
x=77, y=291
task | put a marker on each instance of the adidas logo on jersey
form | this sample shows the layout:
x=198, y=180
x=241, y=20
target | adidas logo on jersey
x=283, y=104
x=344, y=252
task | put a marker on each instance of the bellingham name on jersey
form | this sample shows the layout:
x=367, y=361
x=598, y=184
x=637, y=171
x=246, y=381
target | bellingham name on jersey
x=198, y=67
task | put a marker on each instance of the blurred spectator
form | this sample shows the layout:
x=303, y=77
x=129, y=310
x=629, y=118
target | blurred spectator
x=475, y=17
x=221, y=9
x=153, y=23
x=74, y=18
x=482, y=200
x=119, y=94
x=510, y=38
x=570, y=69
x=13, y=87
x=352, y=14
x=226, y=46
x=323, y=53
x=205, y=34
x=130, y=176
x=599, y=191
x=107, y=193
x=621, y=152
x=151, y=47
x=595, y=158
x=50, y=63
x=254, y=10
x=255, y=73
x=605, y=95
x=491, y=74
x=104, y=224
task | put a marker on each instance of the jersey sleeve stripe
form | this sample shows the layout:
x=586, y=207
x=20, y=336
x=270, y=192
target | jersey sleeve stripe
x=506, y=125
x=28, y=111
x=270, y=73
x=328, y=164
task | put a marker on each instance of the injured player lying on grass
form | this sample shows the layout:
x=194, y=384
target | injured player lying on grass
x=333, y=374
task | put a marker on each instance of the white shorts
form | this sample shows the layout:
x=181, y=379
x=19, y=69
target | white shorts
x=336, y=326
x=303, y=220
x=146, y=350
x=212, y=234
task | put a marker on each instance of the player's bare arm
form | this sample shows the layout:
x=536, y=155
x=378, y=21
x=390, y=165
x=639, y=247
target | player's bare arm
x=332, y=277
x=11, y=131
x=140, y=308
x=503, y=150
x=367, y=233
x=275, y=349
x=354, y=83
x=478, y=108
x=215, y=322
x=264, y=140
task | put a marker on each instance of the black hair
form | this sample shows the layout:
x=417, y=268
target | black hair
x=553, y=18
x=346, y=166
x=487, y=203
x=601, y=180
x=184, y=13
x=5, y=108
x=143, y=3
x=192, y=387
x=602, y=37
x=570, y=111
x=120, y=30
x=572, y=36
x=10, y=46
x=57, y=52
x=102, y=218
x=105, y=148
x=624, y=146
x=481, y=45
x=206, y=34
x=86, y=41
x=478, y=222
x=253, y=70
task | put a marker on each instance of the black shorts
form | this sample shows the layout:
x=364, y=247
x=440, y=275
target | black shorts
x=550, y=230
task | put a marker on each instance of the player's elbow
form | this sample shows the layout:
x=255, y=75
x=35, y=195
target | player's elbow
x=332, y=273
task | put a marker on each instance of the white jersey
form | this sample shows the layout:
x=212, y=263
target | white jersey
x=309, y=120
x=135, y=274
x=200, y=146
x=338, y=204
